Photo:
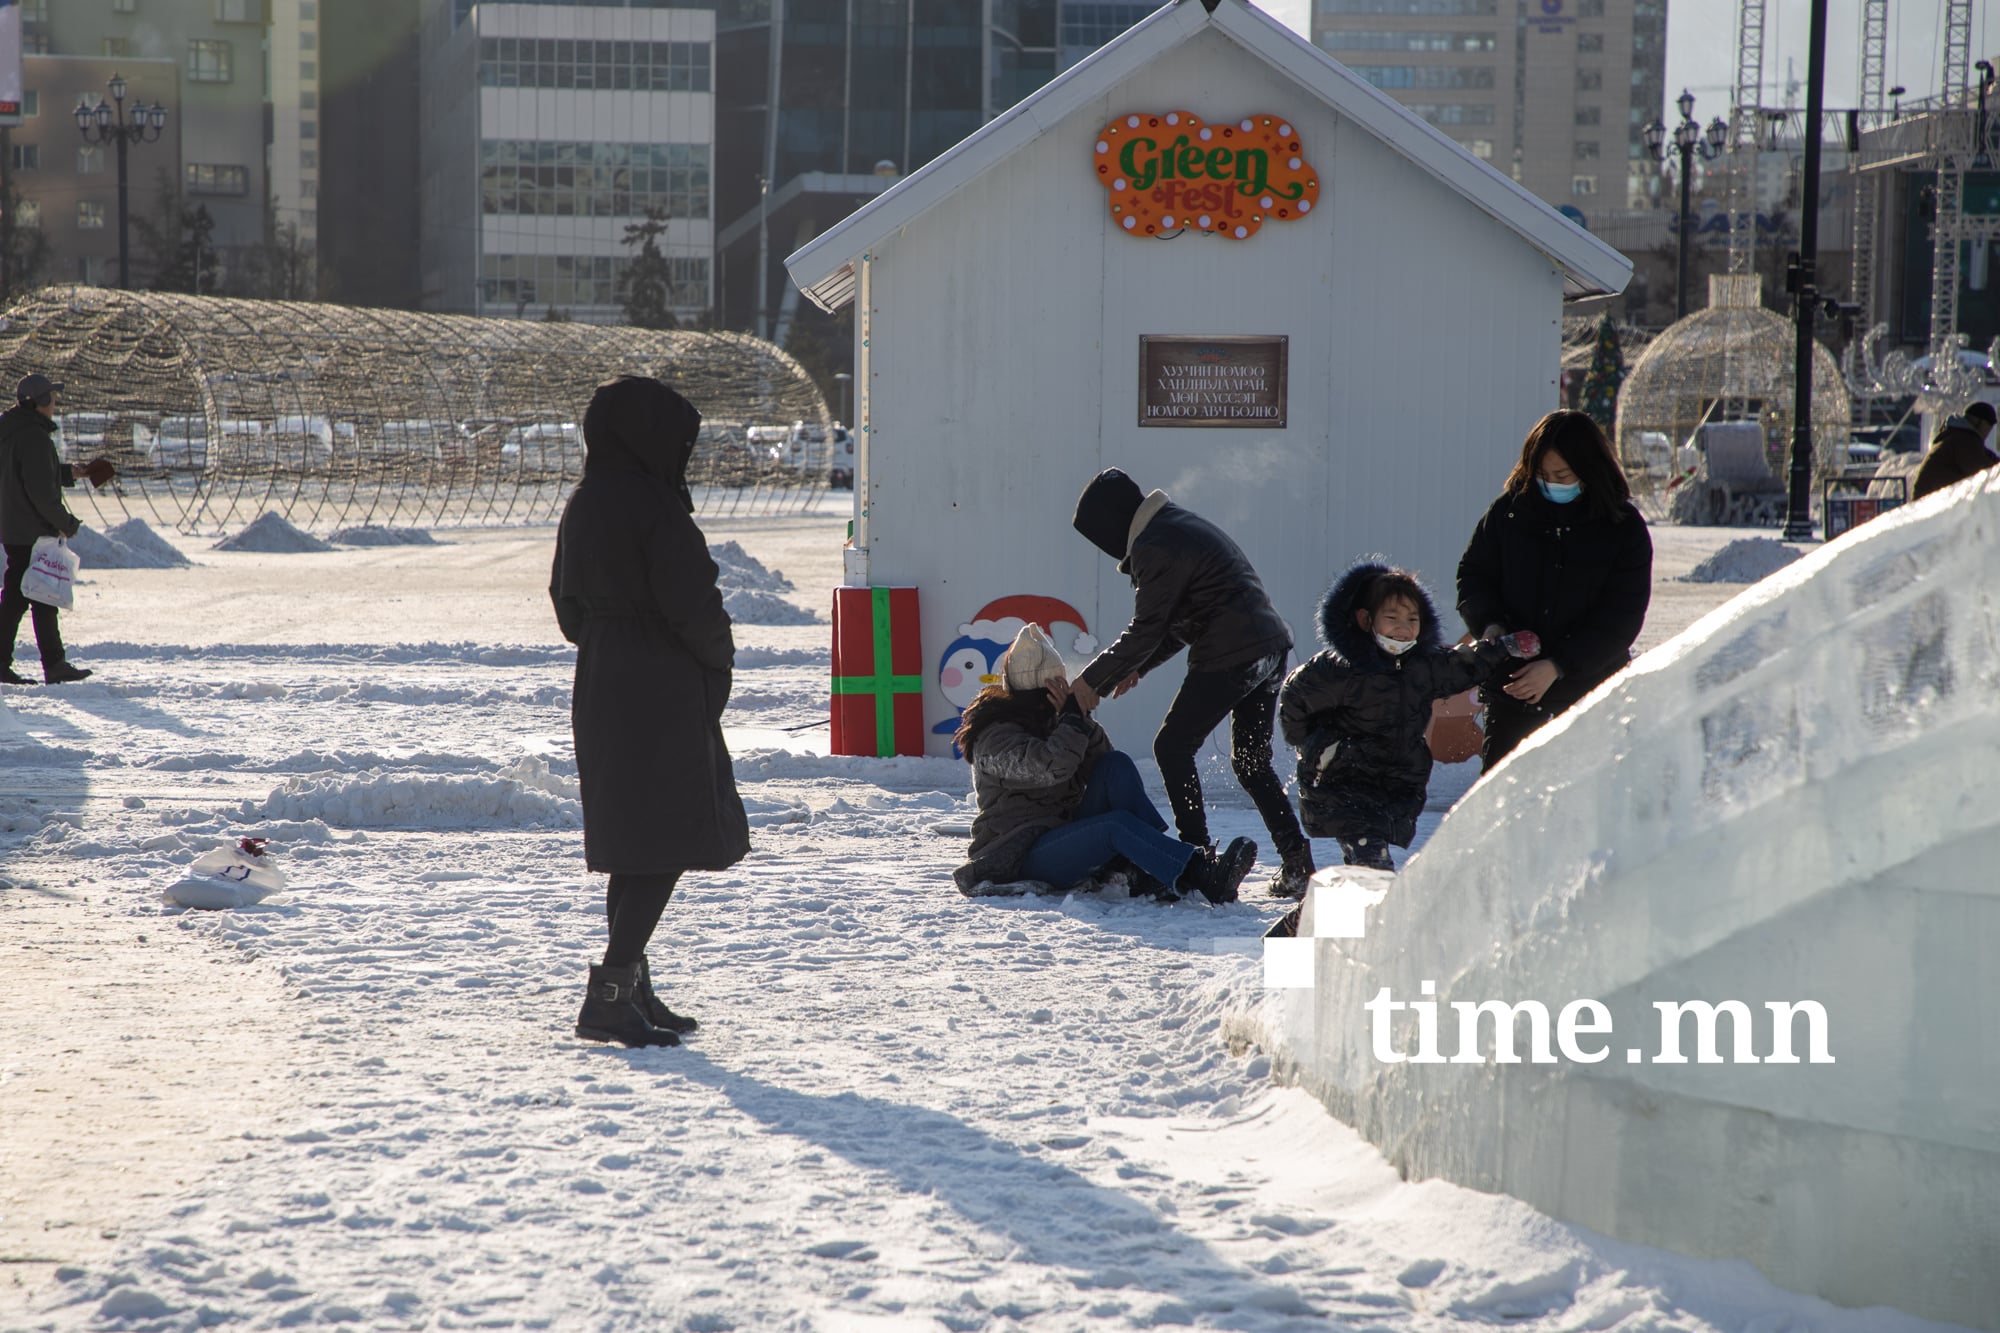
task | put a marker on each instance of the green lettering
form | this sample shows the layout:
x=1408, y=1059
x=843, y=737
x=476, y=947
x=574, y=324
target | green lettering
x=1218, y=163
x=1141, y=177
x=1189, y=158
x=1253, y=170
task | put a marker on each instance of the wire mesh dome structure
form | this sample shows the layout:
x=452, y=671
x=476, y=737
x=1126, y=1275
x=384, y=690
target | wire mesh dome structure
x=217, y=411
x=1700, y=381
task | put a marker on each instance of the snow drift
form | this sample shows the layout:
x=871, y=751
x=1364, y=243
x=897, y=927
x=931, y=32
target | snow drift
x=1791, y=801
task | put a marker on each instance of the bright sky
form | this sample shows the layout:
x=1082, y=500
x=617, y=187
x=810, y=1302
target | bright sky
x=1701, y=46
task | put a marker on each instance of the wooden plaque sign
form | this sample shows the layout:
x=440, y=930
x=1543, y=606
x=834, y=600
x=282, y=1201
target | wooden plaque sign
x=1224, y=381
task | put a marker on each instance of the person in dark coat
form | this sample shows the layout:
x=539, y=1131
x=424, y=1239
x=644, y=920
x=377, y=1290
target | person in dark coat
x=1357, y=711
x=1957, y=451
x=1194, y=588
x=1563, y=552
x=635, y=591
x=32, y=478
x=1057, y=803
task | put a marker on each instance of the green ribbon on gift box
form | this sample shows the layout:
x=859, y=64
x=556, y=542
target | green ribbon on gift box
x=884, y=685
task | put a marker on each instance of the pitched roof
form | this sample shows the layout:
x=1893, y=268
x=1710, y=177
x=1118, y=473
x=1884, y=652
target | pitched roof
x=824, y=267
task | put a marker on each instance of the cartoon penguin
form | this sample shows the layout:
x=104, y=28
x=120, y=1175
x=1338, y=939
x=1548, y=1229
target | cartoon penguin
x=968, y=666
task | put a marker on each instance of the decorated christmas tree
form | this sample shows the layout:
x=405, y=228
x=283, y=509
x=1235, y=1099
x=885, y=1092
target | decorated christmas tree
x=1607, y=372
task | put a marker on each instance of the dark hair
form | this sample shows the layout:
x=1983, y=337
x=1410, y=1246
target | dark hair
x=1390, y=583
x=1582, y=445
x=1032, y=709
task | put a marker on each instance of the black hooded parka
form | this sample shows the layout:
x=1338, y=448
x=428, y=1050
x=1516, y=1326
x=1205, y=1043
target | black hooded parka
x=635, y=591
x=1373, y=709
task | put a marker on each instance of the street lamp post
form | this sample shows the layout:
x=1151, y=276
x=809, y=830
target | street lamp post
x=104, y=124
x=843, y=379
x=1688, y=139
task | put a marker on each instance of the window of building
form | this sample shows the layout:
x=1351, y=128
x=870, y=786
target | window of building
x=89, y=159
x=115, y=47
x=214, y=178
x=545, y=62
x=1426, y=76
x=28, y=213
x=309, y=70
x=124, y=6
x=1589, y=115
x=1480, y=148
x=89, y=215
x=308, y=99
x=1590, y=9
x=239, y=11
x=568, y=281
x=1586, y=150
x=309, y=159
x=1589, y=80
x=1452, y=113
x=84, y=269
x=1583, y=185
x=27, y=157
x=309, y=129
x=308, y=9
x=31, y=104
x=1374, y=39
x=210, y=61
x=1590, y=41
x=603, y=180
x=308, y=41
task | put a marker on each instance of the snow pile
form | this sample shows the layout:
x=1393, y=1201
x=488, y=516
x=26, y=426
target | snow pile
x=1751, y=560
x=526, y=794
x=272, y=535
x=750, y=591
x=130, y=545
x=372, y=534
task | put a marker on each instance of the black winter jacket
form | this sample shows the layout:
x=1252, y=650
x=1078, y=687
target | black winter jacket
x=1580, y=581
x=1372, y=709
x=1192, y=587
x=32, y=476
x=634, y=590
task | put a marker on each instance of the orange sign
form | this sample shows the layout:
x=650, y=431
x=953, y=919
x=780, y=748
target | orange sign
x=1172, y=171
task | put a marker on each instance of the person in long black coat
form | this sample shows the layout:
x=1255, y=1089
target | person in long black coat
x=635, y=591
x=1562, y=552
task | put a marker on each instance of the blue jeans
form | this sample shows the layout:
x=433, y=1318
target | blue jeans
x=1116, y=818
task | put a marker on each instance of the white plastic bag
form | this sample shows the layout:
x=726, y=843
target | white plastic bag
x=229, y=877
x=51, y=574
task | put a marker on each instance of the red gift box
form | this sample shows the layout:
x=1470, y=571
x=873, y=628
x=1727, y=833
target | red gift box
x=878, y=672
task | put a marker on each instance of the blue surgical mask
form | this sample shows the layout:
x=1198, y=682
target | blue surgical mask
x=1561, y=495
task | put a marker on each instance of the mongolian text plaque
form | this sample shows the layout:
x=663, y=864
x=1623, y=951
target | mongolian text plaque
x=1224, y=381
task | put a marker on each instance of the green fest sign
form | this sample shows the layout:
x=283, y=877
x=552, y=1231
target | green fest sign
x=1171, y=171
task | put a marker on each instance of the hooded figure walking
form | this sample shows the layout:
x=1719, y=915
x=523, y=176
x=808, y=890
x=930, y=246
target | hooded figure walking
x=634, y=590
x=1194, y=588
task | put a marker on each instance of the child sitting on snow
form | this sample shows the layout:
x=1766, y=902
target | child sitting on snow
x=1357, y=711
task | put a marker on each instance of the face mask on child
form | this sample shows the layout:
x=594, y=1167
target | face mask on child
x=1394, y=647
x=1561, y=495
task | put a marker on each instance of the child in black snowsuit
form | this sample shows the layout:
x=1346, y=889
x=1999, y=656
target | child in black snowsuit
x=1357, y=711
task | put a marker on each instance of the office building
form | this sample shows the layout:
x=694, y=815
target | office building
x=1557, y=94
x=366, y=208
x=294, y=142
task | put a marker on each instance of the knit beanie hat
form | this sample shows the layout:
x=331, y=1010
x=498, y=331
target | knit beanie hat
x=1033, y=660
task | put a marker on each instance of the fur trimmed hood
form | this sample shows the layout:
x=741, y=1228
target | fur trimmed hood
x=1355, y=645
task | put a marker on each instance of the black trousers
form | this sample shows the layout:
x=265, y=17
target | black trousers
x=632, y=908
x=14, y=604
x=1248, y=697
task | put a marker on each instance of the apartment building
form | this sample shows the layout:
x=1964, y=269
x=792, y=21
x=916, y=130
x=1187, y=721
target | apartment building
x=1556, y=93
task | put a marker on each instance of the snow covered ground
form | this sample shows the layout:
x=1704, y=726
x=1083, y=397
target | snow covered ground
x=360, y=1106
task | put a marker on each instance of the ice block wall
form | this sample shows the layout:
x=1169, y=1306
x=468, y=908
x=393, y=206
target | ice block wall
x=1797, y=799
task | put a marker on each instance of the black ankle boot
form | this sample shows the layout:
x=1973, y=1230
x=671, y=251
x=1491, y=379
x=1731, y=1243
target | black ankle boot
x=655, y=1008
x=1293, y=877
x=13, y=677
x=611, y=1010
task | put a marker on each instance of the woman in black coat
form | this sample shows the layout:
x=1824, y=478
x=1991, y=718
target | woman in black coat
x=1562, y=552
x=634, y=590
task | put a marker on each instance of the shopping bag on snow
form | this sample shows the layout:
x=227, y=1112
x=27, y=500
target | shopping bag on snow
x=51, y=576
x=229, y=877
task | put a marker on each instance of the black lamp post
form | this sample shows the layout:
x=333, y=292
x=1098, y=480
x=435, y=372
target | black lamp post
x=1980, y=161
x=1689, y=139
x=104, y=124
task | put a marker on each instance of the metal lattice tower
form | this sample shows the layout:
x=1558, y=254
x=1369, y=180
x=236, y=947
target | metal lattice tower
x=1874, y=70
x=1952, y=146
x=1745, y=113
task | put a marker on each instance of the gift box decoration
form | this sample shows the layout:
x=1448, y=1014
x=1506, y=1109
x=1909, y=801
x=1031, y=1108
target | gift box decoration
x=878, y=672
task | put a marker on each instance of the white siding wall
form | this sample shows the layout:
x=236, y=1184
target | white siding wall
x=1004, y=371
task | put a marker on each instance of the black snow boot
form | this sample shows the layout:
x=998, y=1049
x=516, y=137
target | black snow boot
x=62, y=673
x=1217, y=878
x=13, y=677
x=1293, y=876
x=612, y=1012
x=656, y=1009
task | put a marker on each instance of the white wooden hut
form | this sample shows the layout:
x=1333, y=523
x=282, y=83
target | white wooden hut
x=1003, y=293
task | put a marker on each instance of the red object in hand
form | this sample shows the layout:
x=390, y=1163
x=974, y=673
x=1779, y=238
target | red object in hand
x=1523, y=643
